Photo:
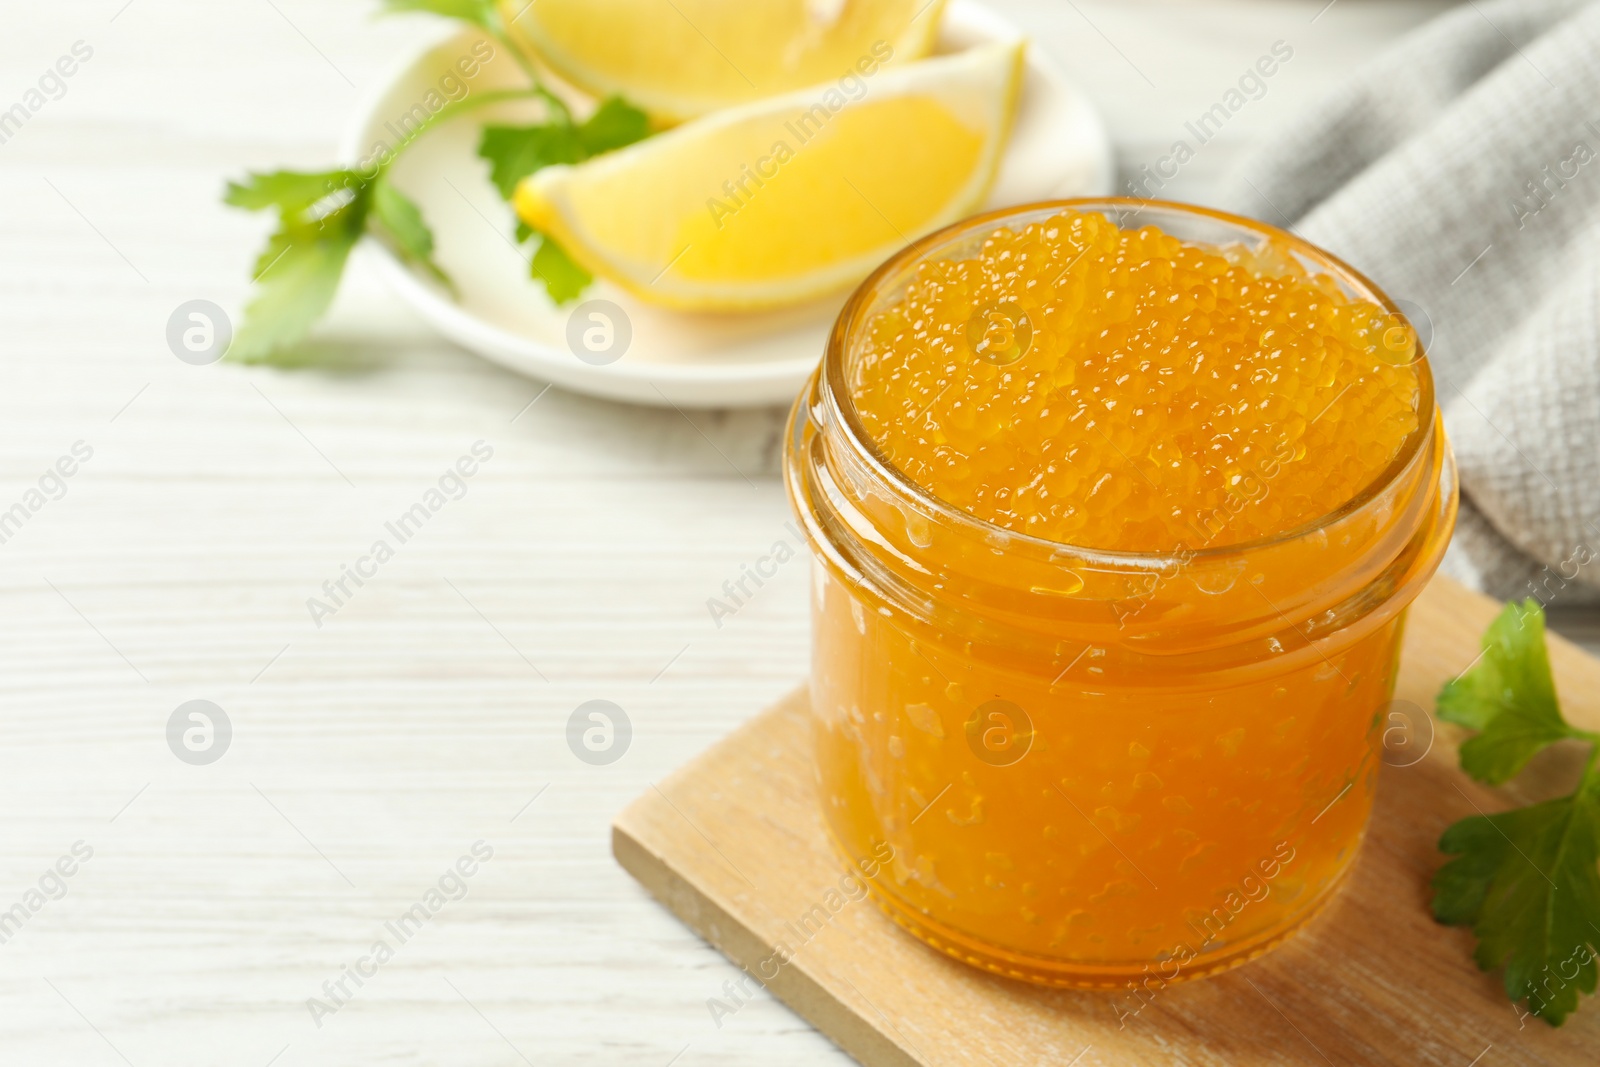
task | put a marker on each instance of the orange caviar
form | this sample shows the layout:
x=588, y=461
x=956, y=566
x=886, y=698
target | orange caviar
x=1114, y=529
x=1158, y=377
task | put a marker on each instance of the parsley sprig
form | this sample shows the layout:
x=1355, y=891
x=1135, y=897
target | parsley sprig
x=323, y=214
x=1528, y=880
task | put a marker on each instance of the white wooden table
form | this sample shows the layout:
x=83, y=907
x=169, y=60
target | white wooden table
x=430, y=713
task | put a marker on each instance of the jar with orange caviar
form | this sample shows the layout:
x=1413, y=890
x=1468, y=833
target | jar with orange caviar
x=1116, y=510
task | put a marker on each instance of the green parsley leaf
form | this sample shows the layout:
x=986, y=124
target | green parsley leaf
x=286, y=190
x=563, y=279
x=321, y=215
x=320, y=219
x=401, y=220
x=1508, y=697
x=615, y=124
x=514, y=152
x=480, y=12
x=1528, y=883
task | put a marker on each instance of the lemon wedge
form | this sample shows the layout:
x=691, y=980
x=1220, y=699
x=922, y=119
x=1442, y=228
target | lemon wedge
x=788, y=199
x=679, y=59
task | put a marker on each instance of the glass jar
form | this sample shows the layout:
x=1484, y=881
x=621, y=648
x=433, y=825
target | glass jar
x=1090, y=766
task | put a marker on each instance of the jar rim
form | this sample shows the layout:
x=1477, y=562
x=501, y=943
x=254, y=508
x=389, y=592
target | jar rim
x=835, y=393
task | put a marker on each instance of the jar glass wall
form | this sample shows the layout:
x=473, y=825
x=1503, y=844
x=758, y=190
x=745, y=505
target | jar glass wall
x=1089, y=763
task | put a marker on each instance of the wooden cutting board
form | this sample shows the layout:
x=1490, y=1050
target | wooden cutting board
x=732, y=843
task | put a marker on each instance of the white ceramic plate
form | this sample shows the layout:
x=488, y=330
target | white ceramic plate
x=1058, y=148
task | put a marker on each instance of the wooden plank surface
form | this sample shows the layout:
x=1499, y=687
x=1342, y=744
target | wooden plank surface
x=733, y=844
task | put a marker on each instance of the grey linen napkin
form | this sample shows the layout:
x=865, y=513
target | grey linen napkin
x=1460, y=170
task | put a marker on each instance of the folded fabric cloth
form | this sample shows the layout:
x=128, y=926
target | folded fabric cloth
x=1460, y=170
